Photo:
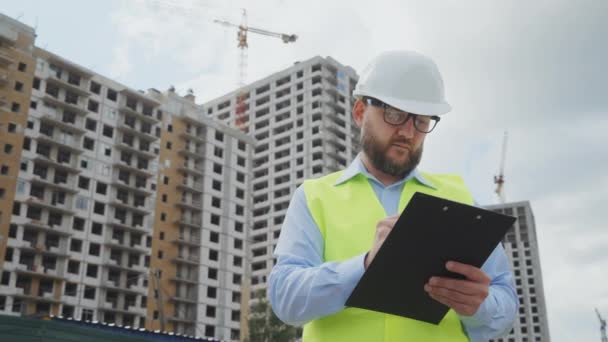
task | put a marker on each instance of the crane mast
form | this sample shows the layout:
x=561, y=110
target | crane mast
x=241, y=117
x=602, y=326
x=499, y=179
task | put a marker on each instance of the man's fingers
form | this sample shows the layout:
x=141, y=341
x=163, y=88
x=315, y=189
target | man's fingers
x=383, y=232
x=471, y=272
x=455, y=296
x=465, y=287
x=385, y=226
x=383, y=229
x=446, y=299
x=390, y=223
x=390, y=220
x=460, y=308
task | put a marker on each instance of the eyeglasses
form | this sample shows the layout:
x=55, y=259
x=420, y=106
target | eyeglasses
x=396, y=117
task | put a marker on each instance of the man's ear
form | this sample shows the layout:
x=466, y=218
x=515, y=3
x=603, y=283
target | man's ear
x=358, y=111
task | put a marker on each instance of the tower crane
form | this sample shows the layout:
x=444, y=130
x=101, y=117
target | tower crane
x=499, y=179
x=241, y=108
x=186, y=10
x=602, y=326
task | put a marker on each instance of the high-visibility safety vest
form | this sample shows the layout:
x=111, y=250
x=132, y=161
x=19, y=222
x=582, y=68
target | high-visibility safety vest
x=346, y=215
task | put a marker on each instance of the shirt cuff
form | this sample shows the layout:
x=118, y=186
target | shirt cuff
x=349, y=272
x=484, y=314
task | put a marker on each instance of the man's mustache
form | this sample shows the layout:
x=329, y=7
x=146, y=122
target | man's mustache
x=407, y=143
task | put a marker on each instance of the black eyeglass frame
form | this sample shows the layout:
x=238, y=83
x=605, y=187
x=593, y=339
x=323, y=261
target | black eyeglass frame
x=377, y=103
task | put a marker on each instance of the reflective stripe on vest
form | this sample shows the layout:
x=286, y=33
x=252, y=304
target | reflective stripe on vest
x=346, y=215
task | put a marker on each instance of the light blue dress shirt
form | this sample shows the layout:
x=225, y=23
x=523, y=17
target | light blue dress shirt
x=303, y=287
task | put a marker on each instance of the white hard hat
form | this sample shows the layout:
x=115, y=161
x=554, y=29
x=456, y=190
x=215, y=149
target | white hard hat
x=405, y=80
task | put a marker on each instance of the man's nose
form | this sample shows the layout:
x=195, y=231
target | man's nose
x=407, y=129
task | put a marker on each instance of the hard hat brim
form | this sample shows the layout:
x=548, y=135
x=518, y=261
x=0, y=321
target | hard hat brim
x=414, y=107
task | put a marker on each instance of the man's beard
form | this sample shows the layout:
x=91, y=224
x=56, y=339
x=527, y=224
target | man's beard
x=377, y=155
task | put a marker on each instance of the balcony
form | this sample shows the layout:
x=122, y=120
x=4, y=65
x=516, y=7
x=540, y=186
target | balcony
x=68, y=186
x=184, y=299
x=123, y=108
x=185, y=279
x=66, y=65
x=194, y=153
x=66, y=142
x=133, y=289
x=123, y=126
x=62, y=122
x=3, y=102
x=130, y=148
x=192, y=223
x=335, y=124
x=330, y=76
x=116, y=244
x=139, y=268
x=53, y=273
x=69, y=167
x=336, y=154
x=182, y=319
x=63, y=82
x=334, y=137
x=190, y=204
x=39, y=271
x=51, y=205
x=40, y=297
x=193, y=136
x=261, y=203
x=264, y=216
x=40, y=226
x=5, y=59
x=125, y=310
x=333, y=166
x=111, y=306
x=78, y=107
x=113, y=263
x=332, y=101
x=191, y=260
x=131, y=108
x=125, y=205
x=40, y=248
x=132, y=168
x=191, y=169
x=131, y=227
x=191, y=186
x=3, y=78
x=193, y=241
x=131, y=187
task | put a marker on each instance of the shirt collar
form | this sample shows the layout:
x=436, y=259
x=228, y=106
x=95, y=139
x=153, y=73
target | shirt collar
x=357, y=167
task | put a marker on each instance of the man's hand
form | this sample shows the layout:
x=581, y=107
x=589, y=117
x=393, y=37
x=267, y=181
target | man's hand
x=464, y=296
x=382, y=229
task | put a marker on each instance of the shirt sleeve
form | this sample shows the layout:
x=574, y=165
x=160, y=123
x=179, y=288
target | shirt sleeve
x=303, y=287
x=496, y=314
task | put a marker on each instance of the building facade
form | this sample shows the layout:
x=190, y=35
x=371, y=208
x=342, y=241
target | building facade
x=81, y=227
x=16, y=75
x=202, y=213
x=117, y=205
x=300, y=119
x=521, y=246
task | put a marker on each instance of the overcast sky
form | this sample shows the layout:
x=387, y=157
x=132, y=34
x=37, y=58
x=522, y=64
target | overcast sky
x=534, y=68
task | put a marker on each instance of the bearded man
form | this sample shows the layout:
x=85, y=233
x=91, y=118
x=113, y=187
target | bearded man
x=335, y=224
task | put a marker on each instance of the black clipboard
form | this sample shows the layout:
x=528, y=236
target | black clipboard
x=429, y=232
